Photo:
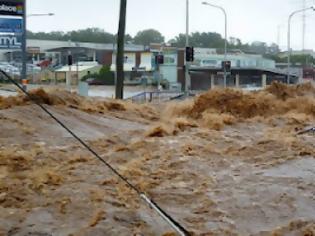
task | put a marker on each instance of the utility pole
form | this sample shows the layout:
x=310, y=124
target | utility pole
x=187, y=23
x=24, y=50
x=120, y=50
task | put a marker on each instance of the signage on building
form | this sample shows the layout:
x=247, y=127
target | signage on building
x=8, y=25
x=10, y=42
x=33, y=50
x=205, y=51
x=12, y=8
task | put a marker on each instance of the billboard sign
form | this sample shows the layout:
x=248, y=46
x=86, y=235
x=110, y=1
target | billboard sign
x=10, y=42
x=8, y=25
x=12, y=8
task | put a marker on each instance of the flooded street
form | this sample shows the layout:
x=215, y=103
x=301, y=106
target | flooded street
x=225, y=163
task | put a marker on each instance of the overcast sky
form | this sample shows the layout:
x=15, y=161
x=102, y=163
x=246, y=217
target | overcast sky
x=249, y=20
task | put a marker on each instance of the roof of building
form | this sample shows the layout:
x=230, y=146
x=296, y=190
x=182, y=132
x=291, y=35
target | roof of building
x=51, y=45
x=273, y=71
x=81, y=66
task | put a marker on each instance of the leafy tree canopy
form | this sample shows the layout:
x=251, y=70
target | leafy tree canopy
x=148, y=36
x=145, y=37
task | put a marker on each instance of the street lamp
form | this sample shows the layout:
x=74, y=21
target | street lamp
x=289, y=37
x=41, y=14
x=225, y=44
x=187, y=23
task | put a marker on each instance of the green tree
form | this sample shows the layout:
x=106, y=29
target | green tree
x=148, y=36
x=215, y=40
x=305, y=60
x=179, y=41
x=202, y=40
x=54, y=35
x=128, y=38
x=93, y=35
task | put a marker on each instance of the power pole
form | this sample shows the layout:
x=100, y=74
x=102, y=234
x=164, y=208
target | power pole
x=24, y=49
x=120, y=50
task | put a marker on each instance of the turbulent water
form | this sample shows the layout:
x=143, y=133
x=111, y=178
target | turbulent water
x=225, y=163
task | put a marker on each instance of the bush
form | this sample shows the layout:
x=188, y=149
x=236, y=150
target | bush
x=105, y=71
x=106, y=76
x=88, y=76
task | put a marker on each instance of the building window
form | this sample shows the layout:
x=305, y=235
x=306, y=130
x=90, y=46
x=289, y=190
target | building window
x=169, y=60
x=210, y=62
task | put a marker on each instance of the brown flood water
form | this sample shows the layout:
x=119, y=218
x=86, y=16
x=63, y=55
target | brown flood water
x=225, y=163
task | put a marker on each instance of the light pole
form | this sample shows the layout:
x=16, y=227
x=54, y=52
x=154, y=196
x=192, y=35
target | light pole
x=289, y=37
x=187, y=76
x=24, y=51
x=24, y=46
x=41, y=14
x=225, y=34
x=187, y=23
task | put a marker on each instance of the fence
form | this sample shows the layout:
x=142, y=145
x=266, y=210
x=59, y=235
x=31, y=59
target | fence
x=156, y=96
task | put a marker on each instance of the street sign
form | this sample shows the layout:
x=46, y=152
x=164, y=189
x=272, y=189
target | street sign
x=12, y=7
x=10, y=41
x=33, y=50
x=8, y=25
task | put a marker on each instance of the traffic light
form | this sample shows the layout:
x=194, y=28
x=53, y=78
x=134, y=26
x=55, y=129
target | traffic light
x=226, y=66
x=70, y=60
x=159, y=59
x=190, y=54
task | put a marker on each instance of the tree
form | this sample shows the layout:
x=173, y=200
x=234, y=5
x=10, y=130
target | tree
x=202, y=40
x=92, y=35
x=120, y=50
x=273, y=49
x=128, y=38
x=215, y=40
x=259, y=47
x=302, y=59
x=148, y=36
x=54, y=35
x=179, y=41
x=235, y=42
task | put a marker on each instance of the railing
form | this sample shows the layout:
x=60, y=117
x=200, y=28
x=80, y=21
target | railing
x=156, y=96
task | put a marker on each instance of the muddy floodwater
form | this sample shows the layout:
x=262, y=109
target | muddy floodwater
x=224, y=163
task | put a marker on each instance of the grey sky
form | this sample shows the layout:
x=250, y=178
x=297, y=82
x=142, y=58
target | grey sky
x=249, y=20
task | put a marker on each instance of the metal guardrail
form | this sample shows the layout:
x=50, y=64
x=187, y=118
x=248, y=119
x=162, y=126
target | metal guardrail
x=156, y=96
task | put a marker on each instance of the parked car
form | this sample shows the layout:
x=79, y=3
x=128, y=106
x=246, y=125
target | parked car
x=93, y=81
